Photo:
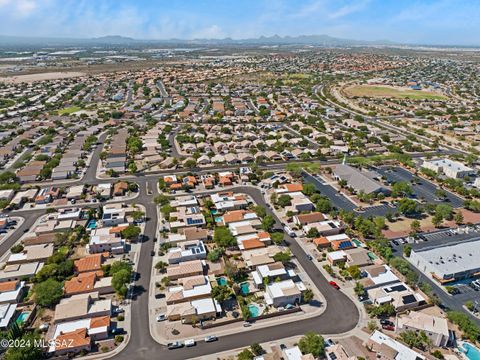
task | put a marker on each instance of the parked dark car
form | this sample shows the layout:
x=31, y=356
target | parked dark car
x=388, y=327
x=386, y=322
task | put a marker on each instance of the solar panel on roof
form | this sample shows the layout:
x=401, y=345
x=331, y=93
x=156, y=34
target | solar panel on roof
x=409, y=299
x=194, y=221
x=345, y=244
x=395, y=288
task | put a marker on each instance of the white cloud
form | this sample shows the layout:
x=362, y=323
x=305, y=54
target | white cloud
x=349, y=9
x=310, y=8
x=211, y=32
x=19, y=8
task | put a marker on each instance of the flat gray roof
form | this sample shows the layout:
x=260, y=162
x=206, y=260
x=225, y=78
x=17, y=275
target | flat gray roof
x=452, y=259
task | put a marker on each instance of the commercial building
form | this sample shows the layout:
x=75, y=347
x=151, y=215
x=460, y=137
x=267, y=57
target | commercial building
x=360, y=181
x=449, y=168
x=449, y=263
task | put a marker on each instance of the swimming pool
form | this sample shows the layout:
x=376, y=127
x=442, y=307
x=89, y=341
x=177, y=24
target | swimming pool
x=221, y=281
x=254, y=310
x=218, y=219
x=357, y=242
x=22, y=317
x=244, y=288
x=92, y=224
x=470, y=351
x=214, y=212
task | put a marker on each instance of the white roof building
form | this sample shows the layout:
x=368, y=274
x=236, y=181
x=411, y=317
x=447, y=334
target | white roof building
x=186, y=251
x=450, y=262
x=189, y=200
x=293, y=353
x=450, y=168
x=6, y=313
x=284, y=292
x=11, y=292
x=379, y=341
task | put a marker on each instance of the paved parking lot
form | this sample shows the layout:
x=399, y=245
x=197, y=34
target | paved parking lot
x=423, y=190
x=442, y=238
x=466, y=289
x=438, y=236
x=341, y=202
x=378, y=210
x=338, y=200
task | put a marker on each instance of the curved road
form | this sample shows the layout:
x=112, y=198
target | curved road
x=340, y=316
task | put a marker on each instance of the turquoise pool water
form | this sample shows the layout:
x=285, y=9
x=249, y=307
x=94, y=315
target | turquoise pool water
x=221, y=281
x=92, y=224
x=254, y=310
x=214, y=212
x=244, y=289
x=470, y=351
x=357, y=242
x=218, y=219
x=22, y=317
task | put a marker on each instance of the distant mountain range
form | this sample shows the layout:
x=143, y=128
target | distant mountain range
x=116, y=40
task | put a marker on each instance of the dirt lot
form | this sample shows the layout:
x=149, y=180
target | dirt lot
x=28, y=78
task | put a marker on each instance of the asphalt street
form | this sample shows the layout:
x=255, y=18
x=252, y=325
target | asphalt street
x=340, y=316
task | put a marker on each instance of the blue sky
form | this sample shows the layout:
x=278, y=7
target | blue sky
x=411, y=21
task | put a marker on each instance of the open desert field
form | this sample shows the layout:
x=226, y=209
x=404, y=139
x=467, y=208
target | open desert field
x=28, y=78
x=392, y=92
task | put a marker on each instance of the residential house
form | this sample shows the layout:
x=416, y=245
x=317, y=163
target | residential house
x=397, y=294
x=12, y=292
x=86, y=283
x=82, y=306
x=187, y=251
x=189, y=288
x=436, y=328
x=284, y=292
x=185, y=269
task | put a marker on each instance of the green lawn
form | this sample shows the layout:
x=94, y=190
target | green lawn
x=386, y=92
x=68, y=110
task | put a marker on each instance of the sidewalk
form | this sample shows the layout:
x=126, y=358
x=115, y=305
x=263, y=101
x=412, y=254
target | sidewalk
x=160, y=331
